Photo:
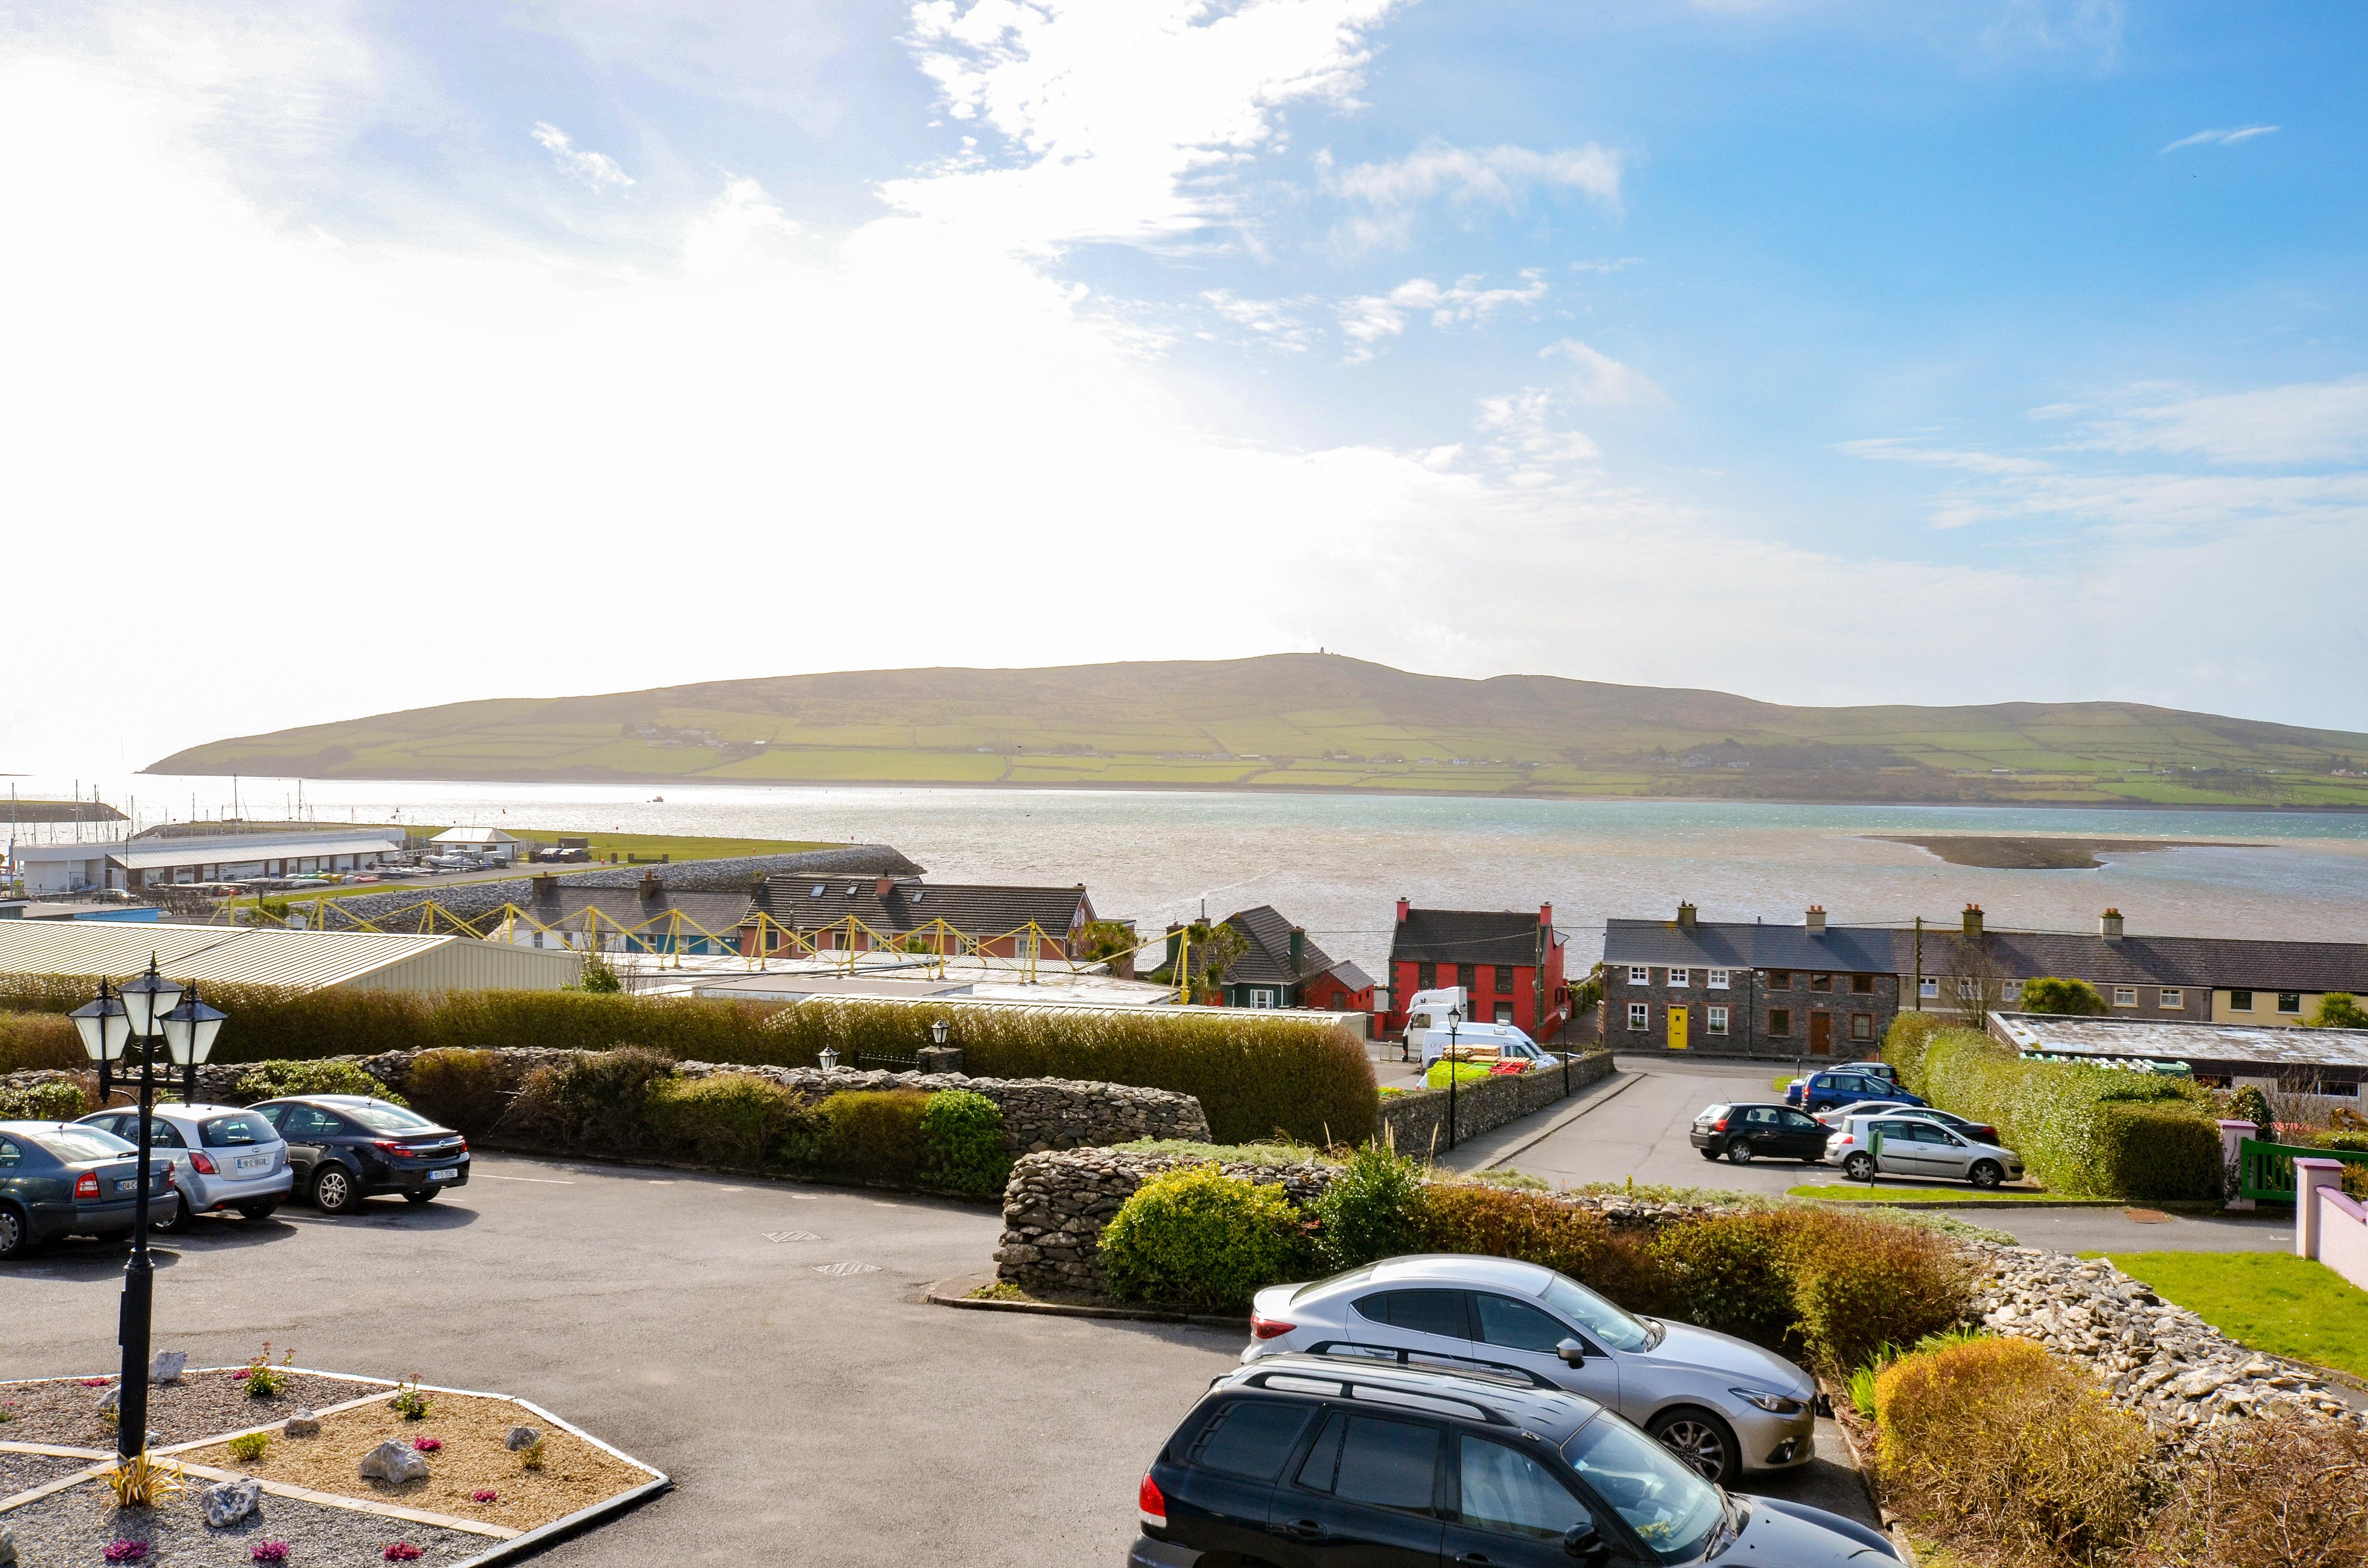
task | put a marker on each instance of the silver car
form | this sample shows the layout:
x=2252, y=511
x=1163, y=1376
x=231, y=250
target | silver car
x=1913, y=1146
x=223, y=1157
x=1724, y=1406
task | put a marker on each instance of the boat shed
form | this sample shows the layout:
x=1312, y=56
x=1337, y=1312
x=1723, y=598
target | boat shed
x=297, y=961
x=2329, y=1062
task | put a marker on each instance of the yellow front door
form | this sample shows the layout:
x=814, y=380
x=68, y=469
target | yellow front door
x=1676, y=1028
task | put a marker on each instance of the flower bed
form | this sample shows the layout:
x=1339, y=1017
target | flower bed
x=65, y=1412
x=74, y=1526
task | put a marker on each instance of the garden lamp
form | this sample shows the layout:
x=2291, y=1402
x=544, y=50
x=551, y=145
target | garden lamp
x=189, y=1031
x=148, y=997
x=938, y=1032
x=828, y=1059
x=104, y=1027
x=1454, y=1018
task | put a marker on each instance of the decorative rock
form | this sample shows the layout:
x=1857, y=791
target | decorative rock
x=167, y=1366
x=112, y=1399
x=303, y=1424
x=521, y=1438
x=231, y=1502
x=8, y=1548
x=394, y=1463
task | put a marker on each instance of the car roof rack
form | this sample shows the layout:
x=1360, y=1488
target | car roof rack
x=1423, y=1361
x=1376, y=1392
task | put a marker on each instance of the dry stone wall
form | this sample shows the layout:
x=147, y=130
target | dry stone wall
x=1416, y=1123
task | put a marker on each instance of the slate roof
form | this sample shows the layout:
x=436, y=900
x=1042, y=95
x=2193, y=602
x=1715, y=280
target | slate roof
x=2170, y=1040
x=1467, y=935
x=1732, y=944
x=563, y=907
x=807, y=900
x=1268, y=961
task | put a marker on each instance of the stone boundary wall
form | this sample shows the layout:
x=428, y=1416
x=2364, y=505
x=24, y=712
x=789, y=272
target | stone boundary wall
x=1038, y=1113
x=1416, y=1123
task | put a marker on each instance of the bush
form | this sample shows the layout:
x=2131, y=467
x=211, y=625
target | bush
x=876, y=1134
x=33, y=1040
x=2049, y=995
x=1200, y=1238
x=270, y=1080
x=2249, y=1104
x=2267, y=1494
x=1861, y=1283
x=466, y=1090
x=1734, y=1273
x=56, y=1100
x=2007, y=1450
x=735, y=1120
x=1501, y=1222
x=963, y=1133
x=1373, y=1209
x=598, y=1100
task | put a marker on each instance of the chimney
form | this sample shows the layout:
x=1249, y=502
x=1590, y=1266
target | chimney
x=1545, y=917
x=1686, y=921
x=1404, y=909
x=2108, y=925
x=1974, y=922
x=1298, y=949
x=650, y=886
x=1817, y=920
x=884, y=887
x=546, y=885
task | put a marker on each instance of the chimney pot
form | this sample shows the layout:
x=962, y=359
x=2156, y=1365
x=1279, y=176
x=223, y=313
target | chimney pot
x=650, y=886
x=2108, y=925
x=1545, y=917
x=1405, y=908
x=1817, y=920
x=884, y=887
x=1686, y=917
x=1974, y=920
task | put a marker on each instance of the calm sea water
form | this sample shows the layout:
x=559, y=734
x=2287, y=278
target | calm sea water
x=1337, y=864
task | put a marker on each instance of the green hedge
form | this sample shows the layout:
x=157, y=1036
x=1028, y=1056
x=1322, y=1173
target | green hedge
x=2089, y=1131
x=1255, y=1075
x=1198, y=1237
x=29, y=1041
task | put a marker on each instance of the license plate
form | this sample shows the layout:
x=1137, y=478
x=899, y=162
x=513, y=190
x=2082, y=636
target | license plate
x=254, y=1161
x=132, y=1186
x=442, y=1176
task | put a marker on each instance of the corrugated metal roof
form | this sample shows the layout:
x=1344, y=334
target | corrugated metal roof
x=243, y=849
x=2167, y=1039
x=303, y=960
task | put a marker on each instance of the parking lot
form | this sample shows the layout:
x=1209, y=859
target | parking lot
x=804, y=1415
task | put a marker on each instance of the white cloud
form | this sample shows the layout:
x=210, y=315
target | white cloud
x=1122, y=119
x=2223, y=137
x=1367, y=319
x=1494, y=176
x=1276, y=323
x=2091, y=28
x=1898, y=450
x=1522, y=436
x=2321, y=422
x=1600, y=378
x=595, y=169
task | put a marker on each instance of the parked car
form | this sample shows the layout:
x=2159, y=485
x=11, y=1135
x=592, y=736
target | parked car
x=1831, y=1119
x=1841, y=1085
x=345, y=1148
x=61, y=1178
x=1745, y=1132
x=1914, y=1146
x=1980, y=1131
x=1724, y=1406
x=1324, y=1461
x=223, y=1157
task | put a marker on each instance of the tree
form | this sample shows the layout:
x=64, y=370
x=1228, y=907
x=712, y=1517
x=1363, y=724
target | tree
x=2077, y=998
x=1212, y=949
x=1971, y=985
x=2340, y=1010
x=1108, y=941
x=597, y=977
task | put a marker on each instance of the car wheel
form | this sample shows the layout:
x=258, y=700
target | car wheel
x=1858, y=1168
x=1985, y=1173
x=420, y=1197
x=333, y=1190
x=185, y=1214
x=16, y=1236
x=1710, y=1154
x=1701, y=1442
x=262, y=1210
x=1739, y=1152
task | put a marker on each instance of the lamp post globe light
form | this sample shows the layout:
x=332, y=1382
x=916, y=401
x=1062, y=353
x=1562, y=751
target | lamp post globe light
x=938, y=1032
x=1454, y=1018
x=827, y=1060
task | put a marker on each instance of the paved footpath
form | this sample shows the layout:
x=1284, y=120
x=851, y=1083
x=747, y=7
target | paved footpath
x=1636, y=1124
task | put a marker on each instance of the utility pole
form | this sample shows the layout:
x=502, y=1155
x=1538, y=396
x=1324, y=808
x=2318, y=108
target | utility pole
x=1916, y=980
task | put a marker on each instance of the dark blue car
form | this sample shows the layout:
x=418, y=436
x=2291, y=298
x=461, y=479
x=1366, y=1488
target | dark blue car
x=1845, y=1085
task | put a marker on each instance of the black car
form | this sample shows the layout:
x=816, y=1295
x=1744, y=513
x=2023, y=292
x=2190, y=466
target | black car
x=1745, y=1132
x=1308, y=1461
x=58, y=1178
x=345, y=1148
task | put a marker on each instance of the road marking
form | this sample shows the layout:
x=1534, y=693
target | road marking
x=804, y=1197
x=842, y=1271
x=539, y=1181
x=791, y=1236
x=731, y=1189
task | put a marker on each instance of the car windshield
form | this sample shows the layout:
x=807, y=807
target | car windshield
x=76, y=1143
x=236, y=1132
x=380, y=1118
x=1672, y=1507
x=1599, y=1316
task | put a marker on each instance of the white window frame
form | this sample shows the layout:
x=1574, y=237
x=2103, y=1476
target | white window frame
x=1640, y=1017
x=1714, y=1020
x=1928, y=988
x=2125, y=995
x=1680, y=978
x=1719, y=979
x=1640, y=974
x=2171, y=998
x=1259, y=996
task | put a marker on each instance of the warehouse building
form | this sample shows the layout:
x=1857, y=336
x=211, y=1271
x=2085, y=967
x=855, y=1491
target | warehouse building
x=134, y=864
x=297, y=961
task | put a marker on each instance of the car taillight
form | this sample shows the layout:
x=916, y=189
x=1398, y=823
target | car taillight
x=203, y=1165
x=463, y=1145
x=1845, y=1138
x=1719, y=1126
x=1263, y=1327
x=1149, y=1504
x=86, y=1184
x=387, y=1146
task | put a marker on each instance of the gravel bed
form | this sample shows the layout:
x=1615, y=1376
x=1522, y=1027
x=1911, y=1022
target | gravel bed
x=22, y=1473
x=200, y=1404
x=74, y=1526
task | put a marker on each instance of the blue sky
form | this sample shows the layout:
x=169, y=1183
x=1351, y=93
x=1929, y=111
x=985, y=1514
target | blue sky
x=1968, y=350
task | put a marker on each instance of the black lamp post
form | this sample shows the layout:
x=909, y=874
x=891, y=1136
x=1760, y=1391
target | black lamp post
x=938, y=1032
x=1454, y=1018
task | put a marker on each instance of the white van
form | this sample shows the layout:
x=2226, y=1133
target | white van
x=1505, y=1039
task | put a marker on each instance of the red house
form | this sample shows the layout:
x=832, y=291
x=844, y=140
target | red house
x=1510, y=962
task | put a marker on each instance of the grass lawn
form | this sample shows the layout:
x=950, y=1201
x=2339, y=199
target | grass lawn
x=1892, y=1192
x=2271, y=1301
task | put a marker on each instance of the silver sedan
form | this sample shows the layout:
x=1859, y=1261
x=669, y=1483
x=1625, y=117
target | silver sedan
x=1725, y=1406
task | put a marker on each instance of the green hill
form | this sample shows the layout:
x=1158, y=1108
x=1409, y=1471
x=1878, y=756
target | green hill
x=1320, y=721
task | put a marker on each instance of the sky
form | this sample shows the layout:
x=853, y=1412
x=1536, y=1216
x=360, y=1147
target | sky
x=364, y=356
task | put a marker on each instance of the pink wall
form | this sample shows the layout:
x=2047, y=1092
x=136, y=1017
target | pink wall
x=2343, y=1236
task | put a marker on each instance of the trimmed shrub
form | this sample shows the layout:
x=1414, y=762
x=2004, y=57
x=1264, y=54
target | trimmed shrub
x=963, y=1134
x=597, y=1101
x=269, y=1080
x=2249, y=1104
x=30, y=1040
x=2007, y=1450
x=1198, y=1237
x=466, y=1090
x=1502, y=1222
x=55, y=1100
x=1905, y=1042
x=1734, y=1273
x=2049, y=995
x=2267, y=1494
x=876, y=1134
x=1373, y=1209
x=732, y=1119
x=1861, y=1283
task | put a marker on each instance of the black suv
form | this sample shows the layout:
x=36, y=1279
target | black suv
x=1297, y=1461
x=1745, y=1132
x=344, y=1148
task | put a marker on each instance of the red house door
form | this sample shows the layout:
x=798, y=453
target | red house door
x=1821, y=1034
